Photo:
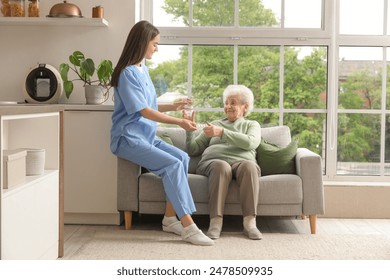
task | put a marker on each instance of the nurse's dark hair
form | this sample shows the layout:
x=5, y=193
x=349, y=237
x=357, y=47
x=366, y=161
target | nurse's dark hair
x=135, y=47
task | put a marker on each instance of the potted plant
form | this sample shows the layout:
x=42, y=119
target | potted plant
x=85, y=69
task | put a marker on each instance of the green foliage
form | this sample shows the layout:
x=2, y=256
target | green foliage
x=358, y=137
x=350, y=101
x=258, y=69
x=352, y=146
x=85, y=69
x=220, y=12
x=305, y=79
x=359, y=134
x=365, y=85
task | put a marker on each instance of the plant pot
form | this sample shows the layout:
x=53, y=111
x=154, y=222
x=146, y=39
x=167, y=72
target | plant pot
x=95, y=95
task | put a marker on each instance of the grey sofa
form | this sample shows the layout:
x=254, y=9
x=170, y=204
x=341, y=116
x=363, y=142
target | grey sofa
x=296, y=195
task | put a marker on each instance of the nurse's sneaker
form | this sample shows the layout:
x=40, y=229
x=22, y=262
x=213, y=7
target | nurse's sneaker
x=172, y=225
x=192, y=234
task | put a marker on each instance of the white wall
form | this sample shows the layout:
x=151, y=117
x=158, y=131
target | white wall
x=22, y=47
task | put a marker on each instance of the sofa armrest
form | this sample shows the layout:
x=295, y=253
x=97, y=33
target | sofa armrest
x=128, y=179
x=309, y=168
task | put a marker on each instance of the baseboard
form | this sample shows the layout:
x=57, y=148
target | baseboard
x=93, y=218
x=363, y=201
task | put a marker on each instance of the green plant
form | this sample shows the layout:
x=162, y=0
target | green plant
x=85, y=69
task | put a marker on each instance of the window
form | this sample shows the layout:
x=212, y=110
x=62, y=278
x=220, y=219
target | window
x=244, y=13
x=362, y=126
x=333, y=98
x=359, y=101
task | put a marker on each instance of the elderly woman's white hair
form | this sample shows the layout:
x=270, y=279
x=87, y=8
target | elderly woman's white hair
x=244, y=93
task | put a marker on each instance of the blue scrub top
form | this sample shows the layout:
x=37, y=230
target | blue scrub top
x=135, y=91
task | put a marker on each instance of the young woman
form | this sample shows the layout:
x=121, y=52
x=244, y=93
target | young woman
x=133, y=132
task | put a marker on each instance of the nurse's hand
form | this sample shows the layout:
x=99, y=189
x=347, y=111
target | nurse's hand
x=188, y=125
x=181, y=103
x=177, y=105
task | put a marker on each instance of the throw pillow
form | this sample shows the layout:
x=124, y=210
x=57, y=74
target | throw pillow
x=273, y=159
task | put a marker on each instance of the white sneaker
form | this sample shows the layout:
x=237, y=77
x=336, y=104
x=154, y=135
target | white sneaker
x=175, y=227
x=195, y=236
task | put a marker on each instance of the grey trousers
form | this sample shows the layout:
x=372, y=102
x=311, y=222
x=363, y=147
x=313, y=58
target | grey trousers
x=221, y=173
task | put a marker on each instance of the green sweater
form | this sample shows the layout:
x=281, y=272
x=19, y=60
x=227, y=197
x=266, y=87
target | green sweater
x=239, y=141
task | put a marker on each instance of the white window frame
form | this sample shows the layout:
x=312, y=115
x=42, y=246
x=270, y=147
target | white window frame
x=326, y=36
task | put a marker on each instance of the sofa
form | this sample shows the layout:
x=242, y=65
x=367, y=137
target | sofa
x=295, y=191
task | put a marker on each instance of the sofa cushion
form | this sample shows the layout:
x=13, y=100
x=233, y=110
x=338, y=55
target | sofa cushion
x=278, y=135
x=274, y=159
x=274, y=189
x=164, y=136
x=152, y=189
x=177, y=136
x=281, y=189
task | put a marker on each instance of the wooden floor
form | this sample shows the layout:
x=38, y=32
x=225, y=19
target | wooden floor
x=77, y=235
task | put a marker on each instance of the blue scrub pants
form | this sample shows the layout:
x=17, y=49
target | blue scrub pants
x=166, y=161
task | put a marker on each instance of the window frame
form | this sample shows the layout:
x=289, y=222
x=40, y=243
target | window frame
x=327, y=36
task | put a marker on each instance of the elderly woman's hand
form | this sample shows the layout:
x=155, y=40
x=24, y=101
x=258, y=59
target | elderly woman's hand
x=213, y=130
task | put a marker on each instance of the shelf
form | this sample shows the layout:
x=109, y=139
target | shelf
x=37, y=199
x=29, y=181
x=47, y=21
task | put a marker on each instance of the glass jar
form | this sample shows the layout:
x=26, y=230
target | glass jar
x=33, y=8
x=17, y=8
x=188, y=109
x=5, y=8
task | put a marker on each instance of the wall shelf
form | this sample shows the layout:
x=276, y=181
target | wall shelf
x=48, y=21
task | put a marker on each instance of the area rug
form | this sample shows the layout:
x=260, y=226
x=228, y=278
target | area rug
x=158, y=245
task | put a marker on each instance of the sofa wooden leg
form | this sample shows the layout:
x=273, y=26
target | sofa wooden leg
x=128, y=219
x=313, y=223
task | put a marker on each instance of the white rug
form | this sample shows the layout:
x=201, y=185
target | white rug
x=158, y=245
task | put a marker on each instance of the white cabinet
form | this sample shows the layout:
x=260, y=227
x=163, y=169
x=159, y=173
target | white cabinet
x=31, y=211
x=90, y=167
x=30, y=219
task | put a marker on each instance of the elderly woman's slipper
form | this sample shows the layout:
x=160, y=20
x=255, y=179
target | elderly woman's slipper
x=253, y=233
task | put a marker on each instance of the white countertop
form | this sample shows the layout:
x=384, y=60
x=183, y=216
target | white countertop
x=85, y=107
x=26, y=108
x=20, y=109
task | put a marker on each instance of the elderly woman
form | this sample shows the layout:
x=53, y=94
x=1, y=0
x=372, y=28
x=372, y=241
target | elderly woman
x=228, y=148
